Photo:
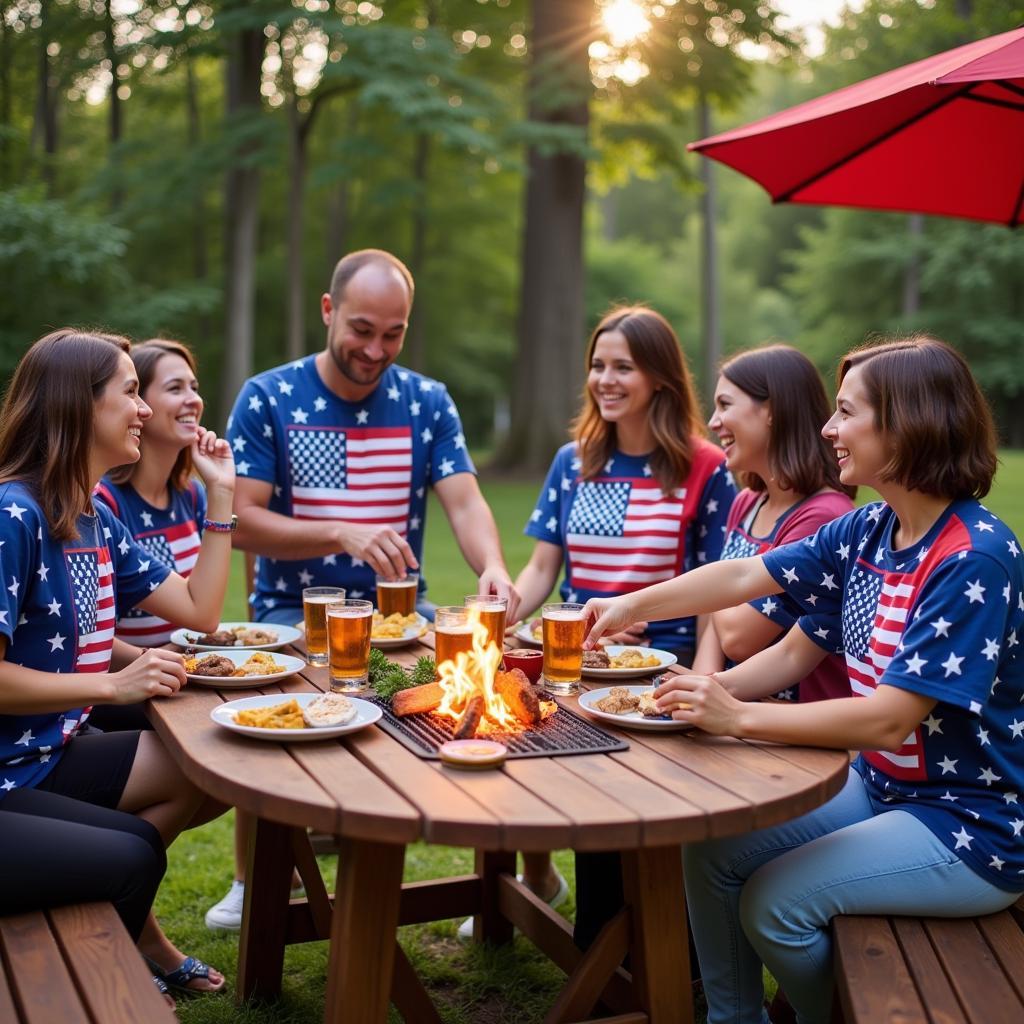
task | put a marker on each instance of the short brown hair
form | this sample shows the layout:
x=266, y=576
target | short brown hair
x=928, y=404
x=146, y=355
x=801, y=460
x=46, y=423
x=674, y=412
x=348, y=266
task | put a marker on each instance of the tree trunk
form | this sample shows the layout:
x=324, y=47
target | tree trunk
x=200, y=243
x=912, y=274
x=296, y=325
x=115, y=122
x=339, y=214
x=45, y=124
x=414, y=352
x=711, y=331
x=5, y=99
x=241, y=205
x=551, y=313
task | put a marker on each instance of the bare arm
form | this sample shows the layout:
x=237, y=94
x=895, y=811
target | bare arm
x=707, y=588
x=879, y=722
x=709, y=657
x=123, y=653
x=477, y=536
x=538, y=577
x=279, y=536
x=775, y=668
x=743, y=631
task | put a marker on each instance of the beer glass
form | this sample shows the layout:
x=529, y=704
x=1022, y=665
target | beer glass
x=314, y=611
x=348, y=637
x=490, y=609
x=564, y=628
x=397, y=595
x=453, y=632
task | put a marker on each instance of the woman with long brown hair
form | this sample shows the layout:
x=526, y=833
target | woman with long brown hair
x=73, y=412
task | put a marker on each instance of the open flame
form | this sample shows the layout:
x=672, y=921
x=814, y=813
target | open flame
x=473, y=673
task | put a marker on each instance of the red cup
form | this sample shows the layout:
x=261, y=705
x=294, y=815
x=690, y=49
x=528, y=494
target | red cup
x=527, y=661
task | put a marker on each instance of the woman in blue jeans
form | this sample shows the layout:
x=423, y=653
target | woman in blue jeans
x=929, y=589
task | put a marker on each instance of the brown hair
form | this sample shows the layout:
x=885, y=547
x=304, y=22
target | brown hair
x=348, y=266
x=46, y=423
x=800, y=459
x=930, y=408
x=674, y=413
x=146, y=355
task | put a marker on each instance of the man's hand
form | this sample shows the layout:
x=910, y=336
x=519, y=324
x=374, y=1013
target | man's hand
x=157, y=673
x=384, y=550
x=496, y=580
x=606, y=615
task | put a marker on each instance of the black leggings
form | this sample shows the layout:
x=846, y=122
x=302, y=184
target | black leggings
x=55, y=851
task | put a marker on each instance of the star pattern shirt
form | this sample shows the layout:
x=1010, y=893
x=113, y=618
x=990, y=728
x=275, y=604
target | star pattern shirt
x=620, y=532
x=57, y=611
x=943, y=619
x=369, y=462
x=170, y=535
x=829, y=679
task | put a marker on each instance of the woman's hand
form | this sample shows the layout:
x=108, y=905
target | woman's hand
x=700, y=700
x=157, y=673
x=606, y=615
x=211, y=456
x=634, y=635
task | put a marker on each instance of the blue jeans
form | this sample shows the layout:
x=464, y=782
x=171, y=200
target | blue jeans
x=768, y=897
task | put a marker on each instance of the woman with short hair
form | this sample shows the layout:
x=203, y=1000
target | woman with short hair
x=929, y=585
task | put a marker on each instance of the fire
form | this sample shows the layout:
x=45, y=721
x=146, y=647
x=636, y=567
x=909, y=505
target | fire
x=472, y=673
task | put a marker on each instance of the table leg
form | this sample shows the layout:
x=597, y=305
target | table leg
x=660, y=957
x=268, y=881
x=489, y=925
x=363, y=930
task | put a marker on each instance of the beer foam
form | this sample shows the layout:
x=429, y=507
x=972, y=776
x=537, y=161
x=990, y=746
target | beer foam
x=563, y=616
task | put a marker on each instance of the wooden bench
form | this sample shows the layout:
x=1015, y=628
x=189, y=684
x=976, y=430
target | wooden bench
x=909, y=970
x=76, y=965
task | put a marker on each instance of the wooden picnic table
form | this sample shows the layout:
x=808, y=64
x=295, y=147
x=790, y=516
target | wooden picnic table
x=667, y=789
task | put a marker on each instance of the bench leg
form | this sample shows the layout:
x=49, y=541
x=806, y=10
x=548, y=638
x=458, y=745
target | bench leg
x=363, y=930
x=265, y=916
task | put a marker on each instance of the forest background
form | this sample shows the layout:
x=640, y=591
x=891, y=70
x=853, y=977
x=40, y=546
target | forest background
x=194, y=170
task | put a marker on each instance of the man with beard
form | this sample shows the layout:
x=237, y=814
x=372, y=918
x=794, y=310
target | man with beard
x=334, y=454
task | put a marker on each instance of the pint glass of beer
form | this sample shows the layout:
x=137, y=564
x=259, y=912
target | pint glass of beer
x=314, y=610
x=453, y=632
x=348, y=637
x=397, y=595
x=564, y=630
x=490, y=610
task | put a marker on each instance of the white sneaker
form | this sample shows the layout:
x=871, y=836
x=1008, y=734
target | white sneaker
x=465, y=931
x=226, y=916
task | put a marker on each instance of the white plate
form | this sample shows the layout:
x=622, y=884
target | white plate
x=664, y=660
x=285, y=635
x=385, y=643
x=634, y=720
x=523, y=633
x=224, y=714
x=291, y=666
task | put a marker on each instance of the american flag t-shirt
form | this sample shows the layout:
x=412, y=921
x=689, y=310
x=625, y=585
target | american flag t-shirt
x=361, y=474
x=92, y=590
x=623, y=535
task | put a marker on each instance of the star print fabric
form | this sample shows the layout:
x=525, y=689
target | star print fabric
x=57, y=610
x=799, y=521
x=171, y=535
x=620, y=533
x=369, y=462
x=942, y=619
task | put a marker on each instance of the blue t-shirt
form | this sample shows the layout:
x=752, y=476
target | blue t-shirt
x=619, y=532
x=943, y=619
x=367, y=462
x=171, y=535
x=57, y=611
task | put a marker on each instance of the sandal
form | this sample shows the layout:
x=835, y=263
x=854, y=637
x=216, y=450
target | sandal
x=161, y=987
x=190, y=970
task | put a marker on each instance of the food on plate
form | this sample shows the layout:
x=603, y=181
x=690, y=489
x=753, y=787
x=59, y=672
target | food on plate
x=211, y=665
x=279, y=716
x=618, y=702
x=237, y=636
x=633, y=658
x=327, y=710
x=220, y=638
x=393, y=626
x=596, y=659
x=537, y=628
x=648, y=708
x=259, y=664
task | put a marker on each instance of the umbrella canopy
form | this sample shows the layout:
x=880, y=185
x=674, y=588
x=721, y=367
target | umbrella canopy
x=944, y=135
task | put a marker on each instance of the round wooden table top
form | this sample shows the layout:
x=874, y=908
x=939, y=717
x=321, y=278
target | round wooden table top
x=667, y=788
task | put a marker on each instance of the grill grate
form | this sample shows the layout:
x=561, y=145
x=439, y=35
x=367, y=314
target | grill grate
x=562, y=733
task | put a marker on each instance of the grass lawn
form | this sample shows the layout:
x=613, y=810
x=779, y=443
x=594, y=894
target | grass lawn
x=468, y=984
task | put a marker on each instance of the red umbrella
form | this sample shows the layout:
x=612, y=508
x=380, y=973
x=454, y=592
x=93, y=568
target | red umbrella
x=944, y=135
